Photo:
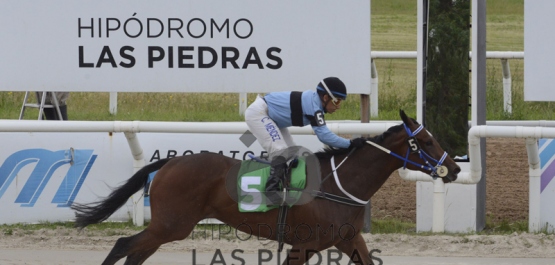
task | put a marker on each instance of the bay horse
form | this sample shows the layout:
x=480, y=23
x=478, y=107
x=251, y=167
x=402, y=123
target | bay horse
x=190, y=188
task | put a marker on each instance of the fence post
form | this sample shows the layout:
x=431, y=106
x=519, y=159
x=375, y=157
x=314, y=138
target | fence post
x=507, y=83
x=113, y=103
x=138, y=163
x=373, y=90
x=534, y=197
x=242, y=103
x=364, y=118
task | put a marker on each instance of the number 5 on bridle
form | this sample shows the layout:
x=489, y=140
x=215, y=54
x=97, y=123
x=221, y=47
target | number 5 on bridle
x=191, y=188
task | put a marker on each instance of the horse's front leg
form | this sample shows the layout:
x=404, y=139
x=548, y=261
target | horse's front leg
x=356, y=249
x=298, y=255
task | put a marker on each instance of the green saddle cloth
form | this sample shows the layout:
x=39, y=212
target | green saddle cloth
x=251, y=185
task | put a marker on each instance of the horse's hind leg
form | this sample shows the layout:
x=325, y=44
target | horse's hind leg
x=137, y=248
x=142, y=245
x=120, y=250
x=139, y=258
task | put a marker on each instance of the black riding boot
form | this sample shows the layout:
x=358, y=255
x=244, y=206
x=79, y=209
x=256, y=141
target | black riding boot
x=277, y=171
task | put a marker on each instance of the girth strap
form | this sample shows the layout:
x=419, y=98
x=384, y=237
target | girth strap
x=336, y=198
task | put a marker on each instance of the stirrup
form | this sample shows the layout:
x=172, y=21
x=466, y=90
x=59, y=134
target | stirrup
x=293, y=163
x=279, y=199
x=283, y=197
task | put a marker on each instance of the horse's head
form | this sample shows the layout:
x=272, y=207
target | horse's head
x=423, y=149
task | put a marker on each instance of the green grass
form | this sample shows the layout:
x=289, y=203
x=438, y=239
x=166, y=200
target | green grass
x=503, y=227
x=56, y=225
x=392, y=226
x=393, y=29
x=383, y=226
x=506, y=227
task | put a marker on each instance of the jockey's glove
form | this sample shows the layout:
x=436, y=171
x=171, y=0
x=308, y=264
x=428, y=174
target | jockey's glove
x=358, y=142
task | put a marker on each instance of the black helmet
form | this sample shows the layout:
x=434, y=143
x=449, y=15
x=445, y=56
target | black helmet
x=334, y=86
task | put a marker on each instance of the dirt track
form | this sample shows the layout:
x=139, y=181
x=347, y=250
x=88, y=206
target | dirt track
x=506, y=186
x=91, y=246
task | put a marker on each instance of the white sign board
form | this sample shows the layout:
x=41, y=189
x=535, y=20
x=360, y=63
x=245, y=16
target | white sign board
x=42, y=174
x=183, y=45
x=538, y=49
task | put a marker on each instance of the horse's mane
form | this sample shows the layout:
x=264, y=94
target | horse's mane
x=328, y=152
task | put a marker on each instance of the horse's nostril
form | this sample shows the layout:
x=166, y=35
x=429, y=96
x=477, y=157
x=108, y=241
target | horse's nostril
x=457, y=170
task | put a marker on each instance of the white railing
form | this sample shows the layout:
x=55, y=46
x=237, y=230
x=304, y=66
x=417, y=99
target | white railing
x=529, y=130
x=504, y=56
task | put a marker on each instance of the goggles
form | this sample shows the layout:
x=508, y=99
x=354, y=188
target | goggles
x=334, y=100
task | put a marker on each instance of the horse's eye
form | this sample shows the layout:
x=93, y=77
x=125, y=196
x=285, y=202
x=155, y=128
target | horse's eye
x=429, y=143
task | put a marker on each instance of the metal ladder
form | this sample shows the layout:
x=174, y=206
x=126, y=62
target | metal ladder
x=40, y=105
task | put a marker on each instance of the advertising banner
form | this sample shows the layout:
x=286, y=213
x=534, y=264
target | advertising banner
x=42, y=174
x=547, y=188
x=183, y=46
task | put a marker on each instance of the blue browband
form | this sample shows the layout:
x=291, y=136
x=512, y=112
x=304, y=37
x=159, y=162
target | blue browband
x=423, y=155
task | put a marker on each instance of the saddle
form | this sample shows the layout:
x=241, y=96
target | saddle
x=251, y=184
x=292, y=184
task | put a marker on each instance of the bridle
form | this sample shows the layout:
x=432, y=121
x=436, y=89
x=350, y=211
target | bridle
x=437, y=170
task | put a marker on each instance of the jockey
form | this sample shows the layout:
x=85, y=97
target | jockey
x=269, y=117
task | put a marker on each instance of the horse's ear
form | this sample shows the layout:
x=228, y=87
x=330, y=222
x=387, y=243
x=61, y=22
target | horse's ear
x=404, y=117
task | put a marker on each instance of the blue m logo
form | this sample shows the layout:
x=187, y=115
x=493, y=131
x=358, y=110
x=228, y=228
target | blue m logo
x=46, y=164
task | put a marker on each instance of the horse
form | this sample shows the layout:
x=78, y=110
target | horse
x=190, y=188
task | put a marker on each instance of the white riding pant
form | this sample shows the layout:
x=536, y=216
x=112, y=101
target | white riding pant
x=266, y=131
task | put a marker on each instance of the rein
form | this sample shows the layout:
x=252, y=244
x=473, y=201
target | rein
x=436, y=171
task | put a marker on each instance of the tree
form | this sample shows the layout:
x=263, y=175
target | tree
x=447, y=87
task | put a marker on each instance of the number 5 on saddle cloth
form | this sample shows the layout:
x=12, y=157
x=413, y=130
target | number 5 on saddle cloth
x=251, y=183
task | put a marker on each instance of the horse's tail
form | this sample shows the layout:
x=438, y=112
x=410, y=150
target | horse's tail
x=96, y=212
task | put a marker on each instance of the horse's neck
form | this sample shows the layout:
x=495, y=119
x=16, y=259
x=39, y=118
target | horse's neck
x=362, y=174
